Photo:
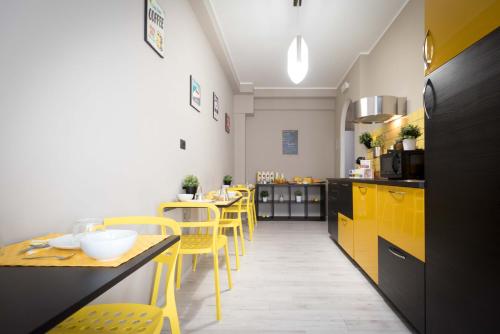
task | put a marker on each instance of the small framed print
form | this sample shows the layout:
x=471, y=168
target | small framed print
x=215, y=107
x=154, y=32
x=228, y=123
x=195, y=94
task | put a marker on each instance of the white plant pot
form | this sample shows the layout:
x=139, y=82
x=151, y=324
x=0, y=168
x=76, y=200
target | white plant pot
x=376, y=151
x=409, y=144
x=298, y=199
x=264, y=199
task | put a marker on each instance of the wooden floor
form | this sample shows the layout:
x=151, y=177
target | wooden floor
x=293, y=280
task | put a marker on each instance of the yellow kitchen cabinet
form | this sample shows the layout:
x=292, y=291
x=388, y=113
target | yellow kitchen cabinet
x=400, y=218
x=453, y=25
x=365, y=227
x=346, y=234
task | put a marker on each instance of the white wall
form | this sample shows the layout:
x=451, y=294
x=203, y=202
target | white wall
x=393, y=67
x=313, y=118
x=91, y=117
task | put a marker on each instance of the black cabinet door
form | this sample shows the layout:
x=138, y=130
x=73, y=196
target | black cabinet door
x=401, y=278
x=333, y=208
x=346, y=199
x=462, y=199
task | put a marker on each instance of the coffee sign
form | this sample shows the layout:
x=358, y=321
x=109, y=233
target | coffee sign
x=155, y=31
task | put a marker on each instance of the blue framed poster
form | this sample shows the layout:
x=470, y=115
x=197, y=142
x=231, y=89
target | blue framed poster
x=290, y=141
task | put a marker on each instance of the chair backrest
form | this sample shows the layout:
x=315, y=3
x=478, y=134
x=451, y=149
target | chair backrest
x=212, y=219
x=169, y=257
x=245, y=192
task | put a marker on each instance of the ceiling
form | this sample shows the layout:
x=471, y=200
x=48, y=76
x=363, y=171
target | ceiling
x=257, y=34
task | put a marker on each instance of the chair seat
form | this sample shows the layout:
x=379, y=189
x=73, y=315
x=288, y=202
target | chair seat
x=113, y=318
x=200, y=243
x=229, y=223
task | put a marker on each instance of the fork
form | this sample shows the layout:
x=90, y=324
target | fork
x=58, y=257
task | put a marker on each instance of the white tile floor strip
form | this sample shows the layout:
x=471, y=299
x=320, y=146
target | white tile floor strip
x=292, y=280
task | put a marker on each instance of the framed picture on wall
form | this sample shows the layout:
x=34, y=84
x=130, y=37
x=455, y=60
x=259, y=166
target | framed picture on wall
x=228, y=123
x=216, y=107
x=290, y=142
x=195, y=93
x=154, y=22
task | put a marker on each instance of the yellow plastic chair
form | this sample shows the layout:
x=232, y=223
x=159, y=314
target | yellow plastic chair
x=196, y=244
x=232, y=219
x=252, y=206
x=245, y=208
x=133, y=318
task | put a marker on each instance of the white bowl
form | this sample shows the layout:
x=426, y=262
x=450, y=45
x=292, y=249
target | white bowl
x=184, y=197
x=107, y=245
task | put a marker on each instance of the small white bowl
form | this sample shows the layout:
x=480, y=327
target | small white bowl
x=107, y=245
x=184, y=197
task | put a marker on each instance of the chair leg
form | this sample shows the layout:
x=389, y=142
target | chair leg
x=242, y=240
x=228, y=267
x=250, y=225
x=179, y=271
x=217, y=286
x=156, y=285
x=236, y=250
x=170, y=310
x=195, y=261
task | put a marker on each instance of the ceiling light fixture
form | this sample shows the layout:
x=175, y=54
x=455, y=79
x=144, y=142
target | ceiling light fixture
x=298, y=55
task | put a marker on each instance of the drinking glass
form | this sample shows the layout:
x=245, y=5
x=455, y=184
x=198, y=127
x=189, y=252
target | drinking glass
x=85, y=225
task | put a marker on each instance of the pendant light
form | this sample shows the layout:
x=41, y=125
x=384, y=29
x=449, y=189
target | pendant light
x=298, y=55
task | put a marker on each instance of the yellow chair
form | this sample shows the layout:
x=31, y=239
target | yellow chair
x=133, y=318
x=245, y=208
x=195, y=244
x=232, y=219
x=252, y=206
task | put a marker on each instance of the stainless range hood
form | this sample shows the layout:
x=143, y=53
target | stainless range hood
x=379, y=109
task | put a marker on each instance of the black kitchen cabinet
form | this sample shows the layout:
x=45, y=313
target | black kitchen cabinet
x=339, y=200
x=401, y=279
x=462, y=206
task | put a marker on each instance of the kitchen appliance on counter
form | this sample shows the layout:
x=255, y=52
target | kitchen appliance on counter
x=402, y=165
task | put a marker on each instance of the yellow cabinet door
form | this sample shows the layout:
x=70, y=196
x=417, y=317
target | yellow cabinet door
x=365, y=228
x=400, y=218
x=454, y=25
x=346, y=234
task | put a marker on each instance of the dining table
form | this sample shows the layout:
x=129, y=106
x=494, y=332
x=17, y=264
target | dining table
x=36, y=299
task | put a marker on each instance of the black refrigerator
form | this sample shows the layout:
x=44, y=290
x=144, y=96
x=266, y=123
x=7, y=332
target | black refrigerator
x=462, y=203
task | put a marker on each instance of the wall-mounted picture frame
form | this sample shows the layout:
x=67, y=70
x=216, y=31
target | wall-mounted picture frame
x=228, y=123
x=215, y=107
x=290, y=142
x=195, y=93
x=154, y=26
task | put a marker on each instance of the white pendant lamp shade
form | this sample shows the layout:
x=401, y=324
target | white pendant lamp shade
x=298, y=60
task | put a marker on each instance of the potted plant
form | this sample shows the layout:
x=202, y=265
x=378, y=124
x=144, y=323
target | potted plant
x=366, y=139
x=264, y=194
x=298, y=195
x=227, y=180
x=409, y=133
x=377, y=146
x=190, y=184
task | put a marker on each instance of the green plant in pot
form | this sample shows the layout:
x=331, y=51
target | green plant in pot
x=227, y=180
x=377, y=145
x=264, y=194
x=190, y=184
x=366, y=139
x=298, y=195
x=409, y=134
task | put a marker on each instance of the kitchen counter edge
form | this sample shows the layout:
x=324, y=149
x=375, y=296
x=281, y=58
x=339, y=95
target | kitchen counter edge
x=385, y=182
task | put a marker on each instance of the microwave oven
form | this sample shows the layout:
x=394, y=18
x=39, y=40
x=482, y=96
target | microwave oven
x=402, y=165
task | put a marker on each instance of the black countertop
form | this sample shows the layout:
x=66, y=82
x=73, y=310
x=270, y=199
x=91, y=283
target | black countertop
x=384, y=182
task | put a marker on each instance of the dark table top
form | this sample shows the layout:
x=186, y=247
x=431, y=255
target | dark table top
x=384, y=182
x=35, y=299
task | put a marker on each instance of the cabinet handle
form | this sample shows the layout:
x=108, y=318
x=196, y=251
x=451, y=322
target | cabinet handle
x=364, y=191
x=428, y=49
x=345, y=184
x=428, y=84
x=396, y=253
x=400, y=193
